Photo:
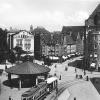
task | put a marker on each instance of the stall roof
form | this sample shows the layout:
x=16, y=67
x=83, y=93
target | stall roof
x=27, y=68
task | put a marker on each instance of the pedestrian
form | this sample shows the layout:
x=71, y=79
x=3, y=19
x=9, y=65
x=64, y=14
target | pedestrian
x=84, y=73
x=55, y=66
x=75, y=70
x=87, y=78
x=9, y=97
x=55, y=74
x=74, y=98
x=60, y=77
x=5, y=66
x=81, y=76
x=76, y=76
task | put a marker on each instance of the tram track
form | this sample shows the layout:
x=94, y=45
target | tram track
x=62, y=87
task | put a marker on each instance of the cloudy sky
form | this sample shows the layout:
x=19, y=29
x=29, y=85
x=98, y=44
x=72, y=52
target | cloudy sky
x=51, y=14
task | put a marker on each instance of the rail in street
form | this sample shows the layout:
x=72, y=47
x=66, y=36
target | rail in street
x=62, y=87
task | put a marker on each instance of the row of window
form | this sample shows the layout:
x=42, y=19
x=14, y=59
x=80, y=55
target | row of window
x=23, y=36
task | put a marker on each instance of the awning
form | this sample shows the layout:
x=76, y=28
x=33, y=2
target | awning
x=30, y=54
x=23, y=55
x=95, y=55
x=53, y=58
x=91, y=55
x=92, y=64
x=64, y=57
x=69, y=55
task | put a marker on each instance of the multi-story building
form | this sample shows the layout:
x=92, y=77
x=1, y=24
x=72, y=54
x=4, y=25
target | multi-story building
x=73, y=39
x=52, y=45
x=69, y=46
x=92, y=40
x=38, y=41
x=23, y=39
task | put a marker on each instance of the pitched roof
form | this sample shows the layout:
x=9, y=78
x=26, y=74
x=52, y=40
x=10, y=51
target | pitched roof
x=78, y=40
x=51, y=39
x=74, y=30
x=14, y=33
x=27, y=68
x=97, y=9
x=69, y=40
x=57, y=38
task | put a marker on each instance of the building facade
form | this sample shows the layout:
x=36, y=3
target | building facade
x=23, y=39
x=51, y=45
x=80, y=44
x=92, y=40
x=38, y=32
x=69, y=46
x=73, y=39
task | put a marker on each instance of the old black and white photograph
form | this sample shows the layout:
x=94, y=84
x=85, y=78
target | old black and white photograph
x=49, y=49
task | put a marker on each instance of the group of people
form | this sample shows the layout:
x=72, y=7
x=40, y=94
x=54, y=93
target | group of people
x=10, y=98
x=80, y=76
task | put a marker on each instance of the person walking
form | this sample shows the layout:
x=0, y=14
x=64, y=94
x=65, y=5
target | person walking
x=60, y=77
x=75, y=70
x=74, y=98
x=9, y=97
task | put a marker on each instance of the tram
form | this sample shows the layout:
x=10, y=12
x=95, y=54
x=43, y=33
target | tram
x=40, y=91
x=52, y=84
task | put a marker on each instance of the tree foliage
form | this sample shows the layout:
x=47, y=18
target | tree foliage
x=3, y=45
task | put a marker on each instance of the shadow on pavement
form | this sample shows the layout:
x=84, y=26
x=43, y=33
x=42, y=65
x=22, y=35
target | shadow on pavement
x=76, y=63
x=96, y=82
x=80, y=64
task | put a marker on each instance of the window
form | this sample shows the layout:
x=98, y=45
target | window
x=95, y=46
x=19, y=42
x=27, y=44
x=94, y=37
x=95, y=55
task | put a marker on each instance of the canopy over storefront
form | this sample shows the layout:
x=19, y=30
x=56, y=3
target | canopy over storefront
x=53, y=58
x=92, y=64
x=27, y=68
x=64, y=57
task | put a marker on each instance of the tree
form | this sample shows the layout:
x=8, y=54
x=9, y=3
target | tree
x=12, y=57
x=3, y=45
x=18, y=51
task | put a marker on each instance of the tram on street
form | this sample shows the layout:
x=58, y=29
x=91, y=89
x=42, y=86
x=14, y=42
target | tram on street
x=40, y=91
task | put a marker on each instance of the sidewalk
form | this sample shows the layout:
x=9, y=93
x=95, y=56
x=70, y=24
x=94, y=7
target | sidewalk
x=64, y=95
x=83, y=91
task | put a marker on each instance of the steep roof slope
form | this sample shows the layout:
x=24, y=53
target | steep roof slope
x=73, y=30
x=97, y=9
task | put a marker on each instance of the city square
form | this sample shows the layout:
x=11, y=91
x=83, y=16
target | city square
x=50, y=50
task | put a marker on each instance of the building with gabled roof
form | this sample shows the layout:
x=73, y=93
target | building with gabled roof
x=70, y=36
x=23, y=39
x=92, y=38
x=94, y=18
x=69, y=45
x=73, y=30
x=52, y=44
